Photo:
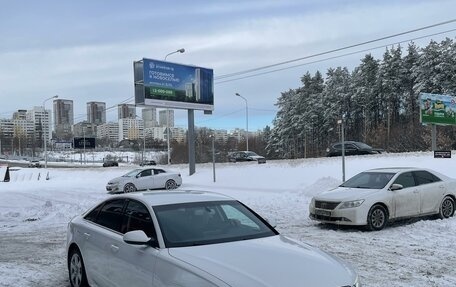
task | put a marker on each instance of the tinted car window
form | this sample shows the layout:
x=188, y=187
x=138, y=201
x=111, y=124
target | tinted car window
x=92, y=216
x=424, y=177
x=350, y=146
x=406, y=180
x=158, y=171
x=338, y=146
x=146, y=172
x=137, y=217
x=110, y=215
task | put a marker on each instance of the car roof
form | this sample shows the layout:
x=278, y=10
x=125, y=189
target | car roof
x=395, y=169
x=156, y=198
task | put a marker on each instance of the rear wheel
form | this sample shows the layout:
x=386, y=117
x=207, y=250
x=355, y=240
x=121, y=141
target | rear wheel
x=129, y=187
x=446, y=208
x=76, y=269
x=170, y=184
x=377, y=218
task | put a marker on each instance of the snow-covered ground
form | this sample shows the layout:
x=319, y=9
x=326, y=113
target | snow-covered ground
x=34, y=215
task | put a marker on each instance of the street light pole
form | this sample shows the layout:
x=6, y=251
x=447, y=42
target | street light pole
x=44, y=134
x=144, y=140
x=246, y=120
x=167, y=135
x=213, y=156
x=181, y=50
x=341, y=122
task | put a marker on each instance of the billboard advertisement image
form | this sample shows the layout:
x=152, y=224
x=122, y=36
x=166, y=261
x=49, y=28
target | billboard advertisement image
x=437, y=109
x=171, y=85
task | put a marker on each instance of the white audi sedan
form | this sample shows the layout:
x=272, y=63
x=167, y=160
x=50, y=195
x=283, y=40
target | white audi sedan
x=191, y=239
x=144, y=179
x=375, y=197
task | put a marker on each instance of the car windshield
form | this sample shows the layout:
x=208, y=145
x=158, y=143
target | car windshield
x=251, y=153
x=369, y=180
x=201, y=223
x=132, y=173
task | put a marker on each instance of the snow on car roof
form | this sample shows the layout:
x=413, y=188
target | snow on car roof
x=154, y=198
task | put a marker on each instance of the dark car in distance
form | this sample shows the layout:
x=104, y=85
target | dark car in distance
x=109, y=163
x=34, y=163
x=352, y=148
x=148, y=162
x=245, y=156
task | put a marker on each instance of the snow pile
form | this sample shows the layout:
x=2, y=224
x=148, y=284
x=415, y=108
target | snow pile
x=419, y=252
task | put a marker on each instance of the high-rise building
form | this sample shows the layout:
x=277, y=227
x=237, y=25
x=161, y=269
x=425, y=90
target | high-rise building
x=149, y=116
x=131, y=129
x=85, y=129
x=42, y=122
x=162, y=119
x=63, y=118
x=126, y=111
x=20, y=115
x=108, y=131
x=96, y=113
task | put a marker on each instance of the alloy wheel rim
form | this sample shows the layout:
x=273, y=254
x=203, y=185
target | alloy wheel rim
x=76, y=270
x=170, y=185
x=447, y=208
x=378, y=218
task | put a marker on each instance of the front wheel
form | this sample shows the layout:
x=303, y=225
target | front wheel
x=129, y=187
x=170, y=184
x=446, y=208
x=377, y=218
x=76, y=269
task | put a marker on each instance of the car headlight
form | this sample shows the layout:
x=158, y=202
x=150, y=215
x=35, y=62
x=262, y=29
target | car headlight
x=312, y=202
x=351, y=204
x=113, y=182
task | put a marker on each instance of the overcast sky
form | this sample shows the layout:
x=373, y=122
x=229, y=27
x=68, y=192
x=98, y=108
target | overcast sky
x=84, y=50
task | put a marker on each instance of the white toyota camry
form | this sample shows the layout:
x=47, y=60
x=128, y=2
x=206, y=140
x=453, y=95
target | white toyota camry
x=144, y=179
x=191, y=239
x=375, y=197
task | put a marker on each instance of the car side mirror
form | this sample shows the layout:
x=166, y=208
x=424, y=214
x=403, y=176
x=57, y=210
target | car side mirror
x=138, y=176
x=136, y=237
x=396, y=186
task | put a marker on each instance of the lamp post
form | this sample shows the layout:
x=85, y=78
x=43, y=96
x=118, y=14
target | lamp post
x=213, y=155
x=44, y=134
x=246, y=120
x=181, y=50
x=341, y=122
x=144, y=141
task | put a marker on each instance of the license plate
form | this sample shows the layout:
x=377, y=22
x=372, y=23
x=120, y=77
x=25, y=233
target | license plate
x=322, y=212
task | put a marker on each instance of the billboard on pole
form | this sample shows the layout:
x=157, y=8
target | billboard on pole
x=170, y=85
x=437, y=109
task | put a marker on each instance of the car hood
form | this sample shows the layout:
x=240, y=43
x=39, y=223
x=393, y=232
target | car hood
x=345, y=193
x=267, y=262
x=119, y=179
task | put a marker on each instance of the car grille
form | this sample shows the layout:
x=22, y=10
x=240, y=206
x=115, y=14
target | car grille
x=330, y=205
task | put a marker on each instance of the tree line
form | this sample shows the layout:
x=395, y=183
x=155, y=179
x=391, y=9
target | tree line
x=378, y=102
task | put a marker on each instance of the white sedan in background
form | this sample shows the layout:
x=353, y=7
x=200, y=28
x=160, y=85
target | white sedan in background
x=191, y=239
x=143, y=179
x=374, y=197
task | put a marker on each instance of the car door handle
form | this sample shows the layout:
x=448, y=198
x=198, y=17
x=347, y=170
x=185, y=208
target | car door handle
x=86, y=235
x=415, y=191
x=114, y=248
